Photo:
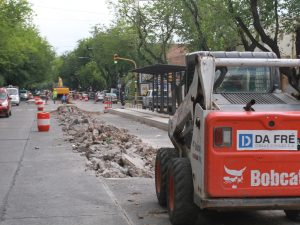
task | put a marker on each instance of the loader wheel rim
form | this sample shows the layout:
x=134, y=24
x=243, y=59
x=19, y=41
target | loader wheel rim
x=171, y=192
x=157, y=177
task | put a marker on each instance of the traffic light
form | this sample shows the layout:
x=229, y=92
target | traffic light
x=170, y=77
x=116, y=58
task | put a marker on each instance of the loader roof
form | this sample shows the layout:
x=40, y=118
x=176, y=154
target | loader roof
x=159, y=69
x=222, y=54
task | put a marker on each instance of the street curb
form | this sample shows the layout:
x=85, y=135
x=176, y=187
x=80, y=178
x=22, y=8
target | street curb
x=150, y=122
x=148, y=112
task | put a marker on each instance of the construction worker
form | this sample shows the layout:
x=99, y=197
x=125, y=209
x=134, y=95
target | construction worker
x=54, y=95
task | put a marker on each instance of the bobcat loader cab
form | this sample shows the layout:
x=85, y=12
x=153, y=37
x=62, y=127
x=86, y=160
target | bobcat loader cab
x=236, y=138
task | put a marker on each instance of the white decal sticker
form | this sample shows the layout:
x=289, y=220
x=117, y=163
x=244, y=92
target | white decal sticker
x=235, y=176
x=267, y=140
x=273, y=178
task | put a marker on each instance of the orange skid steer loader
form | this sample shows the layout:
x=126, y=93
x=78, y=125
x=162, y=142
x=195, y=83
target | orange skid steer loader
x=236, y=139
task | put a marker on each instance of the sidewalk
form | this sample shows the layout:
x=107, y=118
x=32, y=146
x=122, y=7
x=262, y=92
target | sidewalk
x=154, y=119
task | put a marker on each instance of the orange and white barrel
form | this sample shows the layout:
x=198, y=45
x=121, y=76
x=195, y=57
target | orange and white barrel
x=43, y=121
x=107, y=105
x=36, y=100
x=40, y=105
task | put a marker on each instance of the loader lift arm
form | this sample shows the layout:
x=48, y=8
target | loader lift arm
x=200, y=91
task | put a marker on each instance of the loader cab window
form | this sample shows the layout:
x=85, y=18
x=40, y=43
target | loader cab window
x=242, y=79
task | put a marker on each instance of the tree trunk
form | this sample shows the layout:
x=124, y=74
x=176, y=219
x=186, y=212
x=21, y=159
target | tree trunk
x=298, y=41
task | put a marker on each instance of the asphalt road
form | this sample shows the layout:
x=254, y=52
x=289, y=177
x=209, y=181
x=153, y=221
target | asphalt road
x=42, y=181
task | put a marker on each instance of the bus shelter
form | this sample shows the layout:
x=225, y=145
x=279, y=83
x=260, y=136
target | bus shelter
x=165, y=80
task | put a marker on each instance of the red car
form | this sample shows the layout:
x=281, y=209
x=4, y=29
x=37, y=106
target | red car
x=5, y=103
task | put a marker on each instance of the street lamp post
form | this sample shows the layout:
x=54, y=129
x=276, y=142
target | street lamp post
x=116, y=58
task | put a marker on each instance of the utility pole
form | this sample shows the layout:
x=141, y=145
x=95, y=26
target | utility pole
x=116, y=58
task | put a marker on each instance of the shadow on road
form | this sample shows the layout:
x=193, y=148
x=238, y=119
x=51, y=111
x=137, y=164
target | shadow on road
x=262, y=217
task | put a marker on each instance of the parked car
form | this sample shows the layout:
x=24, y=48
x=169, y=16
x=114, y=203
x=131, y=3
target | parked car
x=43, y=94
x=24, y=94
x=111, y=97
x=84, y=95
x=100, y=96
x=5, y=102
x=153, y=99
x=36, y=92
x=91, y=95
x=13, y=93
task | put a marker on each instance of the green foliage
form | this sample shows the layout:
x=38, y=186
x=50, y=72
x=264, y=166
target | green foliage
x=291, y=15
x=264, y=21
x=144, y=31
x=206, y=25
x=25, y=57
x=153, y=23
x=90, y=76
x=91, y=63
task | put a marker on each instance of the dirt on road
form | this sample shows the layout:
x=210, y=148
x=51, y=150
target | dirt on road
x=110, y=151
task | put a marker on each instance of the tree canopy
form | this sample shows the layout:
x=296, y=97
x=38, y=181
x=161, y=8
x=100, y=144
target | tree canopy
x=144, y=31
x=25, y=57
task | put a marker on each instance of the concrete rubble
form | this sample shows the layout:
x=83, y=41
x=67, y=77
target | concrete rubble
x=110, y=151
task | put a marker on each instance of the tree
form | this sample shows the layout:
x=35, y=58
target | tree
x=263, y=21
x=154, y=23
x=90, y=77
x=25, y=57
x=91, y=63
x=291, y=20
x=206, y=25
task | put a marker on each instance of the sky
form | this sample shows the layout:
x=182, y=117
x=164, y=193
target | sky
x=64, y=22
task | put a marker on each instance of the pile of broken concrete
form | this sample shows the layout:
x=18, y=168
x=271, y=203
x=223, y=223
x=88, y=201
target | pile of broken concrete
x=110, y=151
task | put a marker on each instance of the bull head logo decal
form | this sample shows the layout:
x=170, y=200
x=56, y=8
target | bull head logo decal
x=234, y=176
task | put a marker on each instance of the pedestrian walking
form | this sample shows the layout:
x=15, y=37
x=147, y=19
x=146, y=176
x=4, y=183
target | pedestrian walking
x=96, y=97
x=54, y=95
x=63, y=99
x=47, y=97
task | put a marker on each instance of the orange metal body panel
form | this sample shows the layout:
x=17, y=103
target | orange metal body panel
x=62, y=90
x=232, y=172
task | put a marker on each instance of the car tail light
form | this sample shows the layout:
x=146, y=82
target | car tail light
x=222, y=136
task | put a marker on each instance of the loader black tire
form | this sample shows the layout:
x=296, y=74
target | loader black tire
x=293, y=215
x=163, y=157
x=181, y=207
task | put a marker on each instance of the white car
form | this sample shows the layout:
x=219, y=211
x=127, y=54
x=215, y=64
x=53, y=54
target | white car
x=14, y=95
x=100, y=96
x=112, y=97
x=24, y=94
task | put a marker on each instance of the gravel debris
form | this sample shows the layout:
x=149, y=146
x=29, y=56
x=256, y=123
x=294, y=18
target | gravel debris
x=110, y=151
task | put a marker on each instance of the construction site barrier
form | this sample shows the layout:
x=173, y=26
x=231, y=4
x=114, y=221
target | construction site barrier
x=43, y=121
x=107, y=105
x=40, y=105
x=36, y=99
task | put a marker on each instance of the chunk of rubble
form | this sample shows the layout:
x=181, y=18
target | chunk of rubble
x=110, y=151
